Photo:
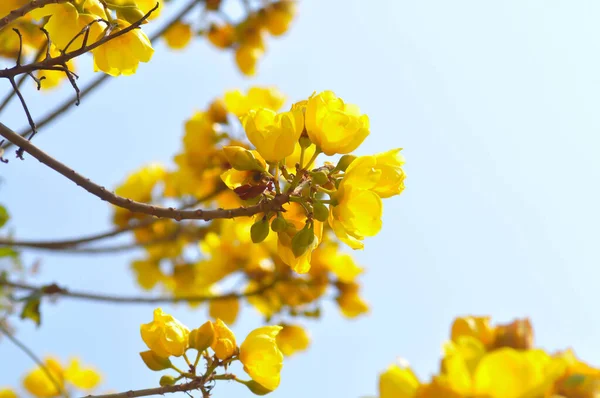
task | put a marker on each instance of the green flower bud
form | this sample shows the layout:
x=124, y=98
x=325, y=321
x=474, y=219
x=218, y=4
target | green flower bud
x=345, y=162
x=319, y=177
x=167, y=380
x=278, y=224
x=155, y=362
x=320, y=211
x=242, y=159
x=303, y=240
x=259, y=230
x=304, y=141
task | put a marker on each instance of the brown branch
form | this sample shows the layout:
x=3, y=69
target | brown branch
x=35, y=359
x=138, y=207
x=192, y=385
x=64, y=58
x=32, y=5
x=70, y=243
x=103, y=78
x=54, y=289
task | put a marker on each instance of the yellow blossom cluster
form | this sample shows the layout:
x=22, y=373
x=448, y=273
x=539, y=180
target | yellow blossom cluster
x=216, y=344
x=191, y=259
x=54, y=380
x=482, y=360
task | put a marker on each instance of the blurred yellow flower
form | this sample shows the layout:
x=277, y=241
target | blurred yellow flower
x=292, y=339
x=261, y=357
x=398, y=382
x=239, y=103
x=178, y=35
x=226, y=309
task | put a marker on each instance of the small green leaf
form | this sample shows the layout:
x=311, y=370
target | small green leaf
x=3, y=216
x=31, y=309
x=8, y=252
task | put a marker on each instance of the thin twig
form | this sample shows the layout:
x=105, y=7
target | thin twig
x=69, y=243
x=30, y=6
x=50, y=117
x=54, y=289
x=274, y=204
x=29, y=118
x=192, y=385
x=35, y=359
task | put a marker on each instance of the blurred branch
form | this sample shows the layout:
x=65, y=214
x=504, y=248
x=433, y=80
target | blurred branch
x=30, y=6
x=66, y=105
x=137, y=207
x=35, y=359
x=70, y=244
x=54, y=289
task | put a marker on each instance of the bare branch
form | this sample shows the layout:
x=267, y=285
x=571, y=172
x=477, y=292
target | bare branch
x=54, y=289
x=35, y=359
x=192, y=385
x=104, y=77
x=138, y=207
x=30, y=6
x=29, y=118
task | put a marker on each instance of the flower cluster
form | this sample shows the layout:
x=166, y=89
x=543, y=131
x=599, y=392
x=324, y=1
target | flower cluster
x=190, y=259
x=482, y=360
x=54, y=380
x=216, y=344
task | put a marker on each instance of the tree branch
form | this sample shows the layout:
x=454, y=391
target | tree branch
x=70, y=243
x=104, y=77
x=54, y=289
x=35, y=359
x=138, y=207
x=192, y=385
x=30, y=6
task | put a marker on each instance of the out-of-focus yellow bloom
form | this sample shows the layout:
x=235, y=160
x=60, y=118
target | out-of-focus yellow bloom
x=143, y=5
x=227, y=310
x=517, y=334
x=165, y=335
x=579, y=380
x=82, y=378
x=7, y=392
x=328, y=257
x=274, y=135
x=221, y=36
x=391, y=181
x=261, y=356
x=508, y=373
x=278, y=16
x=334, y=126
x=246, y=58
x=349, y=301
x=178, y=36
x=8, y=5
x=224, y=344
x=292, y=339
x=239, y=103
x=398, y=382
x=148, y=273
x=217, y=111
x=477, y=327
x=122, y=55
x=39, y=384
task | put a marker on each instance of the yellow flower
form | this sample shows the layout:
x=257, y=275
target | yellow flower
x=477, y=327
x=82, y=378
x=8, y=5
x=246, y=58
x=39, y=384
x=278, y=16
x=224, y=344
x=290, y=161
x=227, y=309
x=148, y=273
x=52, y=78
x=144, y=6
x=391, y=181
x=327, y=256
x=178, y=36
x=579, y=379
x=350, y=303
x=239, y=103
x=358, y=210
x=122, y=55
x=296, y=219
x=274, y=135
x=165, y=335
x=221, y=36
x=398, y=382
x=7, y=392
x=508, y=373
x=261, y=357
x=334, y=126
x=292, y=339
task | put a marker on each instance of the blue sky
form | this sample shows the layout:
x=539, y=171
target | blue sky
x=495, y=106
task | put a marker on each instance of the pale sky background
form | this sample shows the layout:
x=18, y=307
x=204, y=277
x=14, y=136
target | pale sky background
x=495, y=104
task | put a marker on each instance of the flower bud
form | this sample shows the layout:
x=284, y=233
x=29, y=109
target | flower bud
x=278, y=224
x=254, y=387
x=320, y=211
x=319, y=177
x=259, y=230
x=304, y=141
x=154, y=361
x=167, y=380
x=517, y=335
x=242, y=159
x=203, y=337
x=130, y=13
x=344, y=162
x=218, y=111
x=303, y=240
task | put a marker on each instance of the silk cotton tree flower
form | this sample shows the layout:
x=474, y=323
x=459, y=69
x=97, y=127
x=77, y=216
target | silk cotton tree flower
x=165, y=335
x=261, y=356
